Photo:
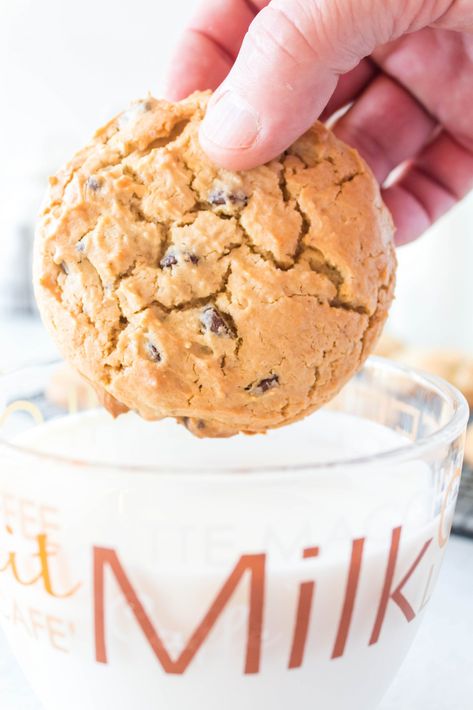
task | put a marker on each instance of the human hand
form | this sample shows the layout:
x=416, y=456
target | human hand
x=404, y=66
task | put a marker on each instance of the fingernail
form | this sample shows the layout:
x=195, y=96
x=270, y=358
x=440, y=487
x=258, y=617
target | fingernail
x=231, y=123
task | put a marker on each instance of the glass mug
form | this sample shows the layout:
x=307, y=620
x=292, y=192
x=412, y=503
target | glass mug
x=260, y=572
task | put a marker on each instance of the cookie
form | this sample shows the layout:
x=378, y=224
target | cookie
x=452, y=365
x=231, y=301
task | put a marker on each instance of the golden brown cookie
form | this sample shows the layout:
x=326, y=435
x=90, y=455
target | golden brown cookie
x=235, y=301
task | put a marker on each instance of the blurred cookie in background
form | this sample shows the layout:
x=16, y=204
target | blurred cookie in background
x=70, y=391
x=454, y=366
x=389, y=346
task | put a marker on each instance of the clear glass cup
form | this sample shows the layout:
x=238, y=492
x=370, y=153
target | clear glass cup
x=296, y=580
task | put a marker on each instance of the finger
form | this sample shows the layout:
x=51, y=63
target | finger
x=387, y=125
x=408, y=213
x=198, y=64
x=287, y=69
x=350, y=86
x=446, y=89
x=209, y=46
x=440, y=176
x=226, y=22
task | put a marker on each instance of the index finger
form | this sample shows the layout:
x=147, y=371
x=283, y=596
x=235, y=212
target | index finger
x=210, y=45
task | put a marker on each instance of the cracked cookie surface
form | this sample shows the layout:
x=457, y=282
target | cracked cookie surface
x=231, y=301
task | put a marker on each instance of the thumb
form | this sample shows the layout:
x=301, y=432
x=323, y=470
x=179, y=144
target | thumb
x=288, y=67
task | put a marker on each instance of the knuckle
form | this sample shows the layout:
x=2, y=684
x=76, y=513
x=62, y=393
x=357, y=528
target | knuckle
x=276, y=32
x=305, y=31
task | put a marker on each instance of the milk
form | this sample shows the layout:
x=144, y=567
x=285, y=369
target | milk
x=299, y=586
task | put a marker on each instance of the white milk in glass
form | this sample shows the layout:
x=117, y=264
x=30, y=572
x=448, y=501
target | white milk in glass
x=212, y=589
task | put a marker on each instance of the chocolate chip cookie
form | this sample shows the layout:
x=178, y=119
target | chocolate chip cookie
x=231, y=301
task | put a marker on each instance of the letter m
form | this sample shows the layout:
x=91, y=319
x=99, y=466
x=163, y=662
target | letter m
x=252, y=565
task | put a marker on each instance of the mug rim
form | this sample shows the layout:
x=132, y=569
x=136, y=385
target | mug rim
x=445, y=434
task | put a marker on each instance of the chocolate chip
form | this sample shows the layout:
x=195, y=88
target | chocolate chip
x=214, y=321
x=238, y=198
x=133, y=112
x=94, y=183
x=217, y=197
x=190, y=424
x=64, y=267
x=268, y=383
x=168, y=260
x=153, y=352
x=220, y=197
